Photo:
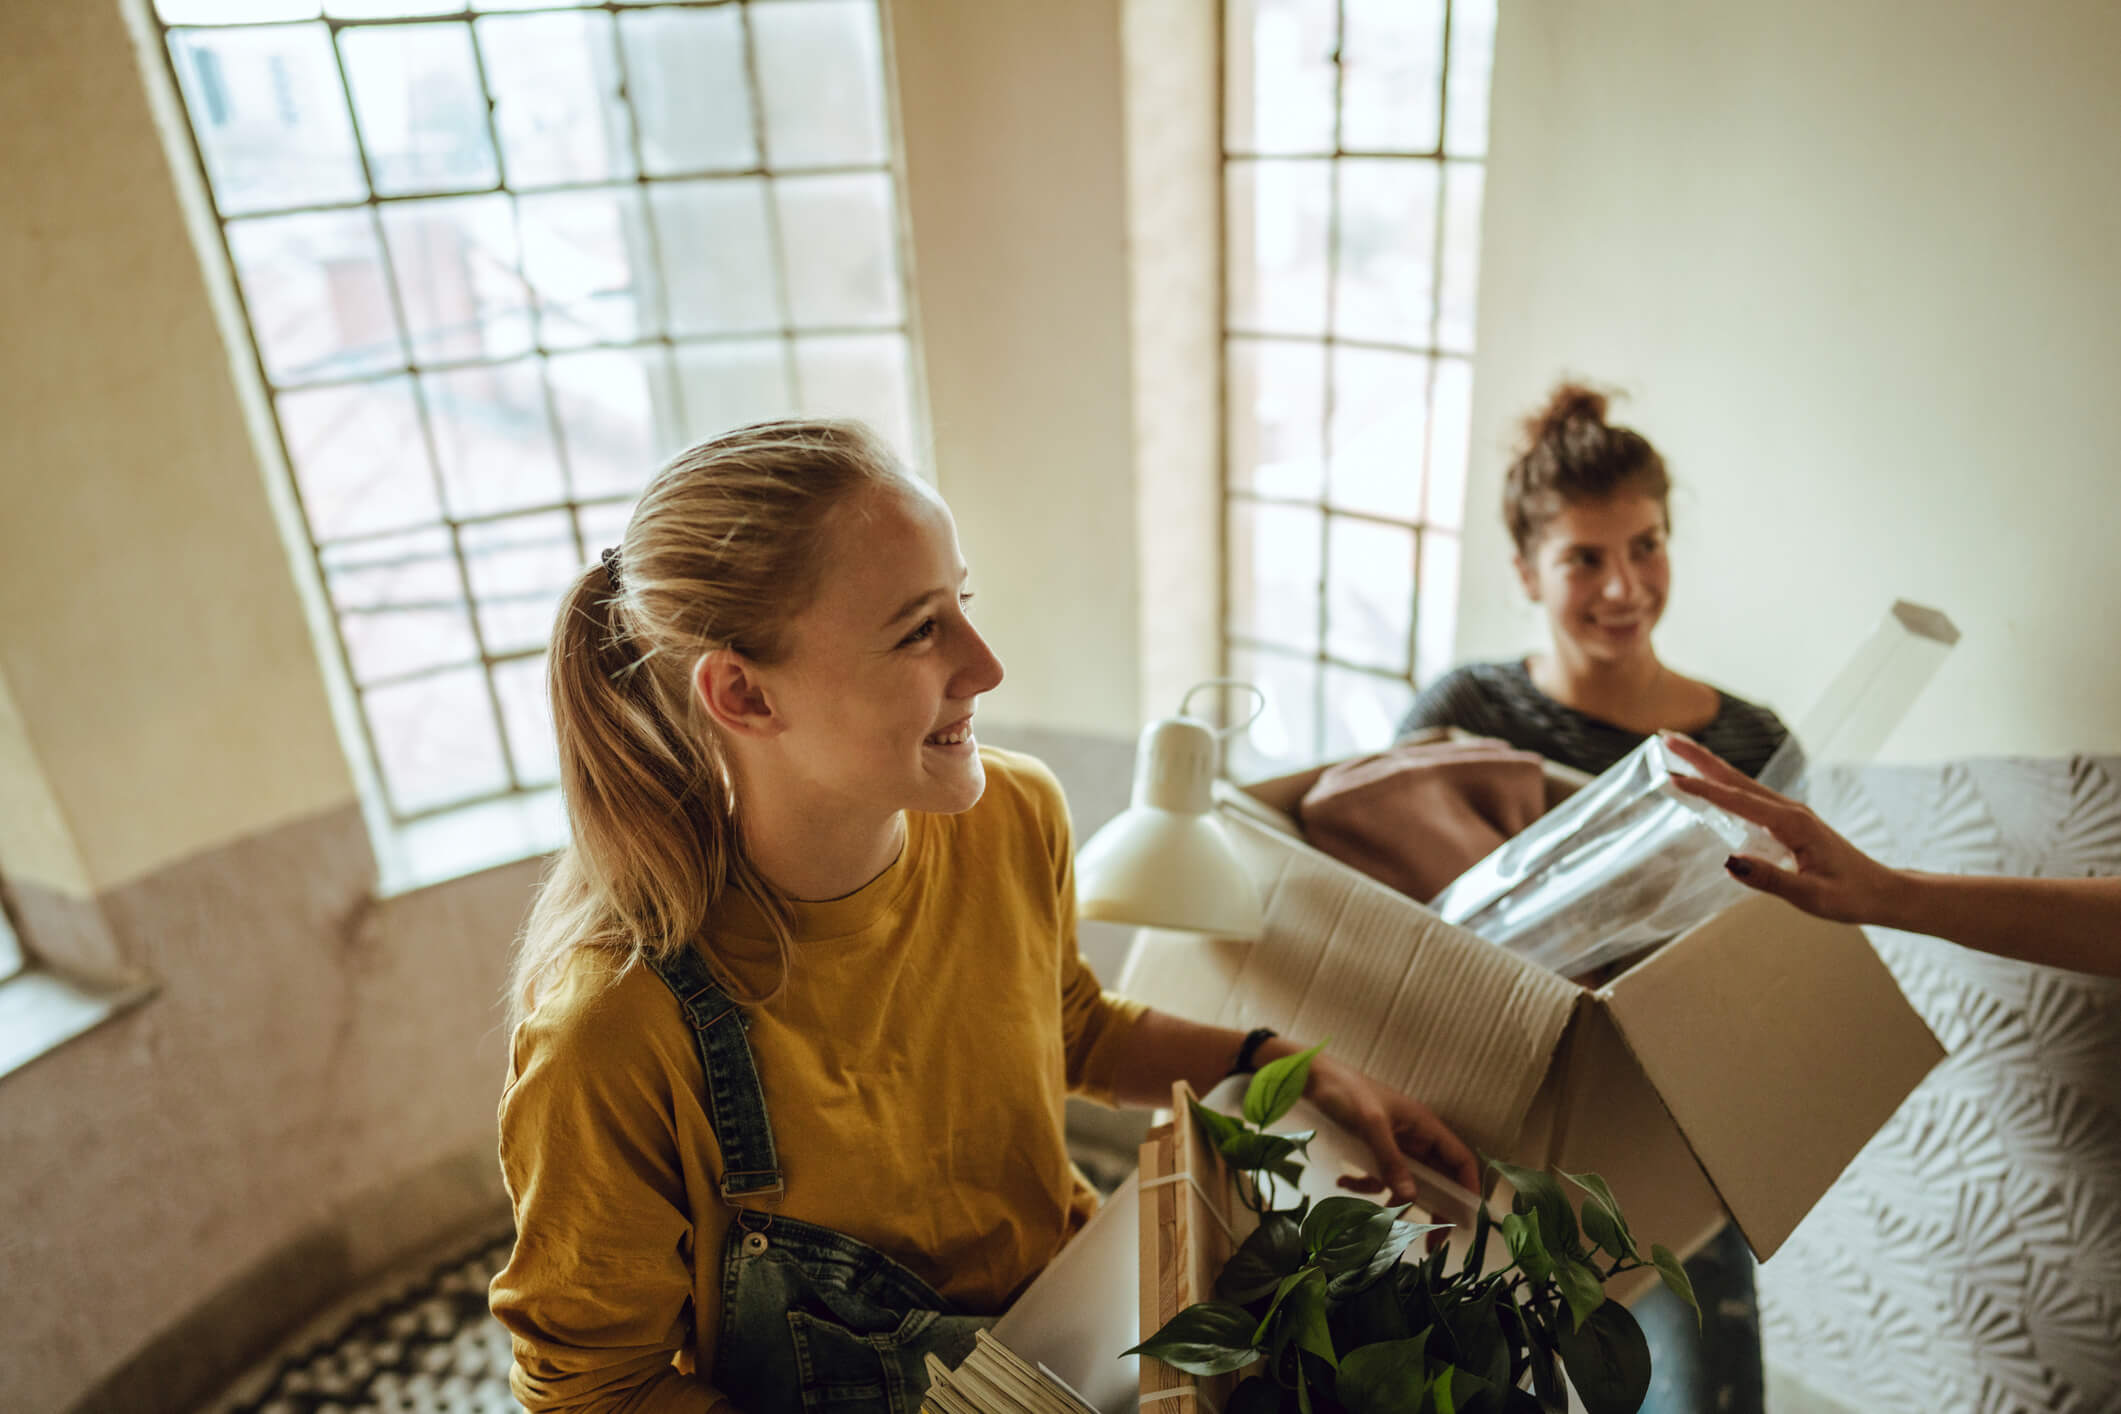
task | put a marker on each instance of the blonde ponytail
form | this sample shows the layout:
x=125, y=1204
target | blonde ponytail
x=722, y=550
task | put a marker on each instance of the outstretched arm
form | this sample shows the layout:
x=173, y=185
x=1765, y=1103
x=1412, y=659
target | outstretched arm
x=2072, y=923
x=1163, y=1048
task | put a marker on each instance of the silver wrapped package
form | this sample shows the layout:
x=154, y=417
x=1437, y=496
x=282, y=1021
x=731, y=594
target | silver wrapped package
x=1628, y=863
x=1621, y=866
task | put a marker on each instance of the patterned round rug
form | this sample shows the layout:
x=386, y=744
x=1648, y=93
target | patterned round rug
x=422, y=1343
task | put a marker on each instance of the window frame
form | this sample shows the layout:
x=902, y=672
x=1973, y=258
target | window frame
x=428, y=843
x=1423, y=528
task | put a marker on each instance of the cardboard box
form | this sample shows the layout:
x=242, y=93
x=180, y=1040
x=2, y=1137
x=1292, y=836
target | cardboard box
x=1736, y=1070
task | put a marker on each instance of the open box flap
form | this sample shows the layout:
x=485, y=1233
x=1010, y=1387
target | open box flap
x=1780, y=1045
x=1415, y=1003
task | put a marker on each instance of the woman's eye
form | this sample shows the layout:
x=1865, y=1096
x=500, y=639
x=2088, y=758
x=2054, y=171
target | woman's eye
x=964, y=602
x=927, y=627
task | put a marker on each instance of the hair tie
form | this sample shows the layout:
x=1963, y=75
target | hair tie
x=611, y=569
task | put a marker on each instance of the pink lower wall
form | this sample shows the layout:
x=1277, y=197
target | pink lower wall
x=309, y=1097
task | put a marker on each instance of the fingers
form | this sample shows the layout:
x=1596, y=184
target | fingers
x=1743, y=804
x=1783, y=818
x=1451, y=1155
x=1707, y=762
x=1803, y=890
x=1430, y=1142
x=1392, y=1167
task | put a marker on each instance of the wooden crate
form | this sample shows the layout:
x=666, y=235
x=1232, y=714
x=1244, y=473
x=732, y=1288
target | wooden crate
x=1191, y=1221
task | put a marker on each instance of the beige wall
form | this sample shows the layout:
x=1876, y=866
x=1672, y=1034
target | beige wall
x=1174, y=272
x=1858, y=263
x=1010, y=113
x=163, y=679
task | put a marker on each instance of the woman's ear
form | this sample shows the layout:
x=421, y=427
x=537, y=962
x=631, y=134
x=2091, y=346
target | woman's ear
x=1527, y=575
x=728, y=687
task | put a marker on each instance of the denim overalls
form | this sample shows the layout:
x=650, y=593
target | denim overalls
x=812, y=1320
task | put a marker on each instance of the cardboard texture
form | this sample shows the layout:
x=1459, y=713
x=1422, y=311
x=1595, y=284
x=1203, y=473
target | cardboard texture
x=1736, y=1070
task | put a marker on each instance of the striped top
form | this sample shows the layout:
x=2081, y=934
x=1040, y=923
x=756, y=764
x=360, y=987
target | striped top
x=1500, y=700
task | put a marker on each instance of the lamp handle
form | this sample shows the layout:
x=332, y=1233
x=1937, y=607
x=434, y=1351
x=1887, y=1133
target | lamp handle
x=1240, y=683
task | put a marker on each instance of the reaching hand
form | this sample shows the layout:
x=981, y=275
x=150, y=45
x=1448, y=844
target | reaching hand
x=1398, y=1130
x=1833, y=879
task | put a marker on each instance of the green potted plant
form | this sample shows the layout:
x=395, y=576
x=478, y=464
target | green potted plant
x=1321, y=1300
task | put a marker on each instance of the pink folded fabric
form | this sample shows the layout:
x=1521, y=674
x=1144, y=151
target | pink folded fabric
x=1419, y=815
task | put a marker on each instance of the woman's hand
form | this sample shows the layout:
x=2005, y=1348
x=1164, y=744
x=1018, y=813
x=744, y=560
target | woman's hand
x=1833, y=879
x=1399, y=1130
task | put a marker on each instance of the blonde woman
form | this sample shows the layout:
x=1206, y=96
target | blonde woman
x=797, y=1009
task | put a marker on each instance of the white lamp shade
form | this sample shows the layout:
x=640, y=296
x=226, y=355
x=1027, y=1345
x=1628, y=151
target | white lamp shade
x=1167, y=869
x=1164, y=861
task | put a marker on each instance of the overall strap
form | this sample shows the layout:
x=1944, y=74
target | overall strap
x=736, y=1106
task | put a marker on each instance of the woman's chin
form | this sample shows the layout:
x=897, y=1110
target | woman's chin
x=1606, y=644
x=955, y=784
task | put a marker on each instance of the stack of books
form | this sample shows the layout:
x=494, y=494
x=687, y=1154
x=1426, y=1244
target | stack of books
x=993, y=1379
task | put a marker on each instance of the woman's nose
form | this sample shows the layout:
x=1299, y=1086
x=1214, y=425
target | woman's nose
x=981, y=672
x=1619, y=584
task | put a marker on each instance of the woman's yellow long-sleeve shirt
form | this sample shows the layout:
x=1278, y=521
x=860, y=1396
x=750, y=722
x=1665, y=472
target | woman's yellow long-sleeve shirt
x=914, y=1072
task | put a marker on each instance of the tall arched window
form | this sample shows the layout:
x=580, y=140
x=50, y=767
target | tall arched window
x=500, y=258
x=1353, y=134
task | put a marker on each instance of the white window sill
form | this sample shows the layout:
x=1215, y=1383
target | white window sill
x=42, y=1010
x=468, y=841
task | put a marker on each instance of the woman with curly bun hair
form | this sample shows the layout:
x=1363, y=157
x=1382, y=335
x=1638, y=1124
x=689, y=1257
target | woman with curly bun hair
x=1588, y=505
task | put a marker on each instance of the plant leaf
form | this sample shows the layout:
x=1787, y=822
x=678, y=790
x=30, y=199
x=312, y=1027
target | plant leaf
x=1604, y=1233
x=1541, y=1347
x=1483, y=1341
x=1397, y=1240
x=1272, y=1252
x=1612, y=1235
x=1385, y=1378
x=1675, y=1277
x=1255, y=1394
x=1331, y=1218
x=1221, y=1128
x=1350, y=1247
x=1608, y=1360
x=1278, y=1085
x=1543, y=1192
x=1304, y=1317
x=1477, y=1252
x=1260, y=1336
x=1207, y=1338
x=1580, y=1287
x=1250, y=1150
x=1520, y=1231
x=1440, y=1391
x=1368, y=1315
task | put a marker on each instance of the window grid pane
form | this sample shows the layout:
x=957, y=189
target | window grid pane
x=493, y=279
x=1354, y=133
